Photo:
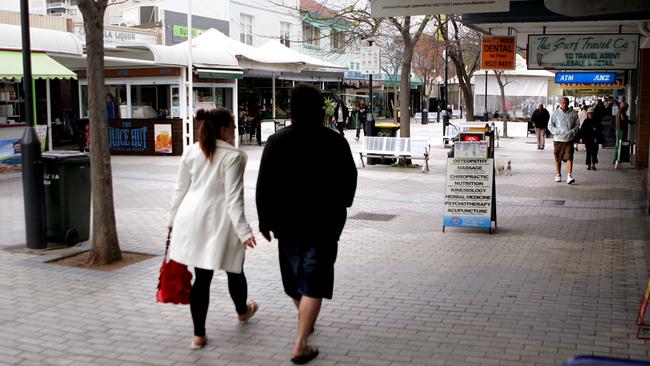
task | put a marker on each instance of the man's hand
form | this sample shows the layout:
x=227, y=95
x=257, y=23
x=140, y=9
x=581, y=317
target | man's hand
x=267, y=235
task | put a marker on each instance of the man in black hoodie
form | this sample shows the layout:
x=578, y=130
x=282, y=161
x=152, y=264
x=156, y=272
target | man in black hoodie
x=307, y=179
x=540, y=122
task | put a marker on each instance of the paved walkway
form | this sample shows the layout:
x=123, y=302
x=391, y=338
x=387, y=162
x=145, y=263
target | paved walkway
x=554, y=281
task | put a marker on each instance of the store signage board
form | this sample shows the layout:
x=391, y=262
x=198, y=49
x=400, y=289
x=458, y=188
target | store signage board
x=117, y=36
x=468, y=190
x=266, y=130
x=370, y=60
x=585, y=78
x=390, y=8
x=498, y=52
x=181, y=31
x=583, y=52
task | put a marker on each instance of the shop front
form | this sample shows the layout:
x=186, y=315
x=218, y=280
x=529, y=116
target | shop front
x=143, y=107
x=13, y=120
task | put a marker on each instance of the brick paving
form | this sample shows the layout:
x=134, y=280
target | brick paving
x=552, y=282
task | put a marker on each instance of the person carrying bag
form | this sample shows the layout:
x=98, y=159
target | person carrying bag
x=210, y=231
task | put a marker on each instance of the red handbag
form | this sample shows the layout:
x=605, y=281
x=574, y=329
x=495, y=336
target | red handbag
x=175, y=281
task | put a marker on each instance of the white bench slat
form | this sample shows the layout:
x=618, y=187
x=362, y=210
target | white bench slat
x=397, y=147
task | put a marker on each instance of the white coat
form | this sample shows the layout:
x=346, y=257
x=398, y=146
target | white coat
x=207, y=210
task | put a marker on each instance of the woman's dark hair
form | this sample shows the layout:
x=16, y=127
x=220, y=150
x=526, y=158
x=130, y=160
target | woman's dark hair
x=211, y=123
x=307, y=105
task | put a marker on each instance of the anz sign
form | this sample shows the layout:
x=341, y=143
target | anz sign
x=585, y=78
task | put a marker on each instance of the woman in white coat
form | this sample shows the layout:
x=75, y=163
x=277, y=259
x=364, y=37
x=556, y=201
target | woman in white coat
x=210, y=231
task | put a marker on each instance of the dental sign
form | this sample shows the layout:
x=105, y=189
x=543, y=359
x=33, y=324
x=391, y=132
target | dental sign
x=585, y=78
x=583, y=52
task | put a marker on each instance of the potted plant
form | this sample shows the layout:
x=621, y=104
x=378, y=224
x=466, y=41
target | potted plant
x=330, y=106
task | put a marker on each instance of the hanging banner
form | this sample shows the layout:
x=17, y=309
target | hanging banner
x=583, y=52
x=391, y=8
x=498, y=52
x=468, y=191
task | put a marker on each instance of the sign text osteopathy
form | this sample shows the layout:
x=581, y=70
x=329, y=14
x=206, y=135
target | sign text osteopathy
x=577, y=52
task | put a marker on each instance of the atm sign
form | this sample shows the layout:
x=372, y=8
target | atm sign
x=585, y=78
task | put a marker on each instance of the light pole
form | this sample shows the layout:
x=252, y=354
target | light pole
x=370, y=122
x=32, y=164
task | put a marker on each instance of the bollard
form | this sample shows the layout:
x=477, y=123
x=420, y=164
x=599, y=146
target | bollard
x=33, y=191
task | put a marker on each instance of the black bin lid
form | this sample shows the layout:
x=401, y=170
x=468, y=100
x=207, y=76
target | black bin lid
x=66, y=156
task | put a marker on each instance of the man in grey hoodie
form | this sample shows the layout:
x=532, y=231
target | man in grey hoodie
x=564, y=126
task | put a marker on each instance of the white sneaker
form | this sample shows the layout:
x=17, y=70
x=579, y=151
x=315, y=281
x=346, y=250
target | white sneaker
x=558, y=178
x=569, y=179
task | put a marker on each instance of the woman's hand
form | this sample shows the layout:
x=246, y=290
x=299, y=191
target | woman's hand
x=250, y=242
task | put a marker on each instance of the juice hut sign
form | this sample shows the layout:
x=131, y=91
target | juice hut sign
x=583, y=52
x=498, y=52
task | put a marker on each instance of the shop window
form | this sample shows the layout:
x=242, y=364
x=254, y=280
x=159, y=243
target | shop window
x=285, y=33
x=115, y=101
x=246, y=32
x=11, y=102
x=150, y=101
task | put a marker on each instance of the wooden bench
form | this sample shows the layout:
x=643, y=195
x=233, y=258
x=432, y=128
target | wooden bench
x=396, y=147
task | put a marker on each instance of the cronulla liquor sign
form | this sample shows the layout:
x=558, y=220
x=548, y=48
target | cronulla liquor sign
x=583, y=52
x=117, y=36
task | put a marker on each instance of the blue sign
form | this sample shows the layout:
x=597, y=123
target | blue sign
x=585, y=78
x=127, y=138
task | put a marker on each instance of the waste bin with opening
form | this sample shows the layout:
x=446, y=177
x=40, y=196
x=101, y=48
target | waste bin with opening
x=67, y=196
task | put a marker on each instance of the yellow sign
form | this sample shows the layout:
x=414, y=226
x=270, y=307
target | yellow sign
x=498, y=52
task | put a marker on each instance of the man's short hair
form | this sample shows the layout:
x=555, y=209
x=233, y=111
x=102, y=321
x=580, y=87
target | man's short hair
x=307, y=105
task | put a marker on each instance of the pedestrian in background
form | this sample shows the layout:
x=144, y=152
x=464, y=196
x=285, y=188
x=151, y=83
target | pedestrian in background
x=362, y=118
x=341, y=115
x=305, y=209
x=210, y=231
x=564, y=126
x=540, y=122
x=590, y=133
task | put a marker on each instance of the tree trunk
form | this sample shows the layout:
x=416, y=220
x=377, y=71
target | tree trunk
x=105, y=246
x=405, y=92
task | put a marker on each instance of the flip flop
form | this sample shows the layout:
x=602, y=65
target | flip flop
x=303, y=359
x=252, y=309
x=200, y=345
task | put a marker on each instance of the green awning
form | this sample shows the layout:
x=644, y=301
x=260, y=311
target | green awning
x=220, y=74
x=43, y=66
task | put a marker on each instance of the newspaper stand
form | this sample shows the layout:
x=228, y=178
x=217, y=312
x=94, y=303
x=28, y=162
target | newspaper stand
x=470, y=184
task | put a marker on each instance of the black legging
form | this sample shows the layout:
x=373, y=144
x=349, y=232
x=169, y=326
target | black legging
x=200, y=296
x=592, y=154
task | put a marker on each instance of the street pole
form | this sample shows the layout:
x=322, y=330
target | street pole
x=370, y=122
x=445, y=115
x=190, y=80
x=32, y=164
x=486, y=115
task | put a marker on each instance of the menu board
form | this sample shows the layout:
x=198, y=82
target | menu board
x=468, y=192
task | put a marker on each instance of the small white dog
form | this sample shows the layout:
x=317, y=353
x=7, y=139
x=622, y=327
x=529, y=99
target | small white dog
x=506, y=168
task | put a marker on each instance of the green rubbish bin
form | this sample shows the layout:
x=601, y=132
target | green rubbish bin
x=66, y=177
x=353, y=120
